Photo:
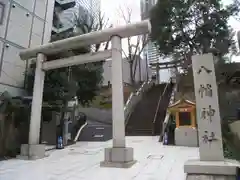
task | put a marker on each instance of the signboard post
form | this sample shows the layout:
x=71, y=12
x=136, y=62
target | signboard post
x=211, y=164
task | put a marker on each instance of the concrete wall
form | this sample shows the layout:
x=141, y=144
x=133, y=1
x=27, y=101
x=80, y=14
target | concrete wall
x=26, y=23
x=103, y=115
x=49, y=132
x=96, y=133
x=186, y=136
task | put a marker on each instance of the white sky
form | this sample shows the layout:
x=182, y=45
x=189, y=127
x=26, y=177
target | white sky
x=112, y=10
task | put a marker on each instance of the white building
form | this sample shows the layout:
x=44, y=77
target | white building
x=142, y=72
x=23, y=24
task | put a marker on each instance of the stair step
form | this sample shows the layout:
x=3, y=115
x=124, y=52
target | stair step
x=140, y=132
x=140, y=121
x=100, y=128
x=98, y=135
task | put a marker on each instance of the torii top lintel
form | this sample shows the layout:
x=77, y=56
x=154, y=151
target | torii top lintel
x=96, y=37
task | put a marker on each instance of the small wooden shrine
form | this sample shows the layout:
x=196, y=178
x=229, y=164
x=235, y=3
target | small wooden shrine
x=184, y=112
x=185, y=133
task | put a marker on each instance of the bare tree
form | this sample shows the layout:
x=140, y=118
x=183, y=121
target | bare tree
x=135, y=44
x=86, y=23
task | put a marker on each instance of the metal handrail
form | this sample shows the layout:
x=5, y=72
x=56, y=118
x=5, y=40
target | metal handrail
x=159, y=101
x=79, y=131
x=130, y=100
x=166, y=120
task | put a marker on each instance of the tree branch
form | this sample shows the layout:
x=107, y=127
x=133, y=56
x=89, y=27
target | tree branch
x=133, y=55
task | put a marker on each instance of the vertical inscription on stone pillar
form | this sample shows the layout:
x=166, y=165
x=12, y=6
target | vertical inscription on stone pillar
x=208, y=116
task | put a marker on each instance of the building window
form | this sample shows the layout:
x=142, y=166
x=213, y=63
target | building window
x=2, y=7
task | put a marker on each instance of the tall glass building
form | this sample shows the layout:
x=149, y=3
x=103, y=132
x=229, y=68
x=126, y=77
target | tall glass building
x=151, y=50
x=81, y=8
x=92, y=6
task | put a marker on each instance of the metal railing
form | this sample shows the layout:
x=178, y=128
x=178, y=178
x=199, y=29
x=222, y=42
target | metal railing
x=79, y=131
x=134, y=99
x=167, y=117
x=172, y=99
x=158, y=106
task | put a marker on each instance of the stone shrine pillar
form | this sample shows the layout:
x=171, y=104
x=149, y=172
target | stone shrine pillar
x=119, y=155
x=211, y=164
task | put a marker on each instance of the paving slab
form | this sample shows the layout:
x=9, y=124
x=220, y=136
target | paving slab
x=82, y=162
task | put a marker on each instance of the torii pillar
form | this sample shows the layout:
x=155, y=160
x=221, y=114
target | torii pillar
x=119, y=155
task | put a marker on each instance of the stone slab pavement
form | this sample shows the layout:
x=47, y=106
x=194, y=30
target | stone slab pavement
x=82, y=162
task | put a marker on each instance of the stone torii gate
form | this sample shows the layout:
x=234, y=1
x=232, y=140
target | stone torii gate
x=164, y=65
x=119, y=155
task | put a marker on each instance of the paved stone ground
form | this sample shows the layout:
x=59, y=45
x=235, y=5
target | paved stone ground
x=81, y=162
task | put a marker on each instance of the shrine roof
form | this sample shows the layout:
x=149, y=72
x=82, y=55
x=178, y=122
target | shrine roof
x=181, y=102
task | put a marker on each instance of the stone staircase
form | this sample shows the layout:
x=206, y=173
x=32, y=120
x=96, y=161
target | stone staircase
x=141, y=120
